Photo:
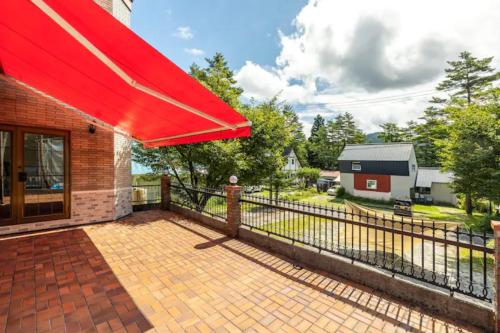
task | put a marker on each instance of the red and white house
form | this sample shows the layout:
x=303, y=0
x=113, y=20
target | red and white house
x=379, y=171
x=76, y=87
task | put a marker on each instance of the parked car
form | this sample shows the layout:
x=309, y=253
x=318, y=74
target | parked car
x=332, y=191
x=253, y=189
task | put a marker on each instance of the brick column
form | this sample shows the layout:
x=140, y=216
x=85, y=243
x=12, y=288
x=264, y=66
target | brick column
x=165, y=192
x=233, y=209
x=495, y=225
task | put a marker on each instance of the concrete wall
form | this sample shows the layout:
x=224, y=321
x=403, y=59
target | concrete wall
x=400, y=186
x=382, y=196
x=122, y=11
x=347, y=182
x=442, y=193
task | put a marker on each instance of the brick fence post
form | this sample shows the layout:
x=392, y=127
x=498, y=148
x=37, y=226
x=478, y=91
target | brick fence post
x=495, y=225
x=165, y=192
x=233, y=209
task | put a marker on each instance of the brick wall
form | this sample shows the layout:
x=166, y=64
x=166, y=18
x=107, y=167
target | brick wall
x=99, y=190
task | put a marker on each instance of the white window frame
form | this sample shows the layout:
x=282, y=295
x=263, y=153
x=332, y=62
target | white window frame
x=371, y=187
x=355, y=166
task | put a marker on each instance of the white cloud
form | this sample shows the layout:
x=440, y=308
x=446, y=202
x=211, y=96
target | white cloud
x=184, y=32
x=195, y=52
x=359, y=50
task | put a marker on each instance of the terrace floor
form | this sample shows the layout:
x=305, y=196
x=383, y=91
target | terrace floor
x=160, y=272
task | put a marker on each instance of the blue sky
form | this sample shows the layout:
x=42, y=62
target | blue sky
x=241, y=30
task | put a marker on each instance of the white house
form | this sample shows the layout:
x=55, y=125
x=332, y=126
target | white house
x=379, y=171
x=433, y=186
x=292, y=162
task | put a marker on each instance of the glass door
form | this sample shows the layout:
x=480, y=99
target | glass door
x=43, y=175
x=34, y=175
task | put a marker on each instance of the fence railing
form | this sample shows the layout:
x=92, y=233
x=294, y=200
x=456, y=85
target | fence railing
x=438, y=253
x=146, y=195
x=212, y=202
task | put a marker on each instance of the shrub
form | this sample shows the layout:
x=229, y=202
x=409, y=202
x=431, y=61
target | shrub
x=340, y=192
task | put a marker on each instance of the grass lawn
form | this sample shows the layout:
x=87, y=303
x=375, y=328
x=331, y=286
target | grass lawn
x=426, y=212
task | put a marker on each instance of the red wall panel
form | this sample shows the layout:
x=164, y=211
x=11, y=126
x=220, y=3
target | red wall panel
x=383, y=182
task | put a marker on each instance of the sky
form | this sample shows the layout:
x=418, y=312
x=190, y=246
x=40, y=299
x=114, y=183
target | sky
x=379, y=60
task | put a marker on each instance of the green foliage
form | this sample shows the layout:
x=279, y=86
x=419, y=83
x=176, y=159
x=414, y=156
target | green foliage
x=298, y=140
x=327, y=141
x=340, y=192
x=469, y=75
x=472, y=153
x=433, y=130
x=308, y=175
x=210, y=164
x=391, y=132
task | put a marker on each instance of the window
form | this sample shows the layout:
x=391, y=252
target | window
x=356, y=166
x=371, y=184
x=293, y=161
x=413, y=167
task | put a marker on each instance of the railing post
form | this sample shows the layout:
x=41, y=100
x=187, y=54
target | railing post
x=495, y=225
x=165, y=192
x=233, y=193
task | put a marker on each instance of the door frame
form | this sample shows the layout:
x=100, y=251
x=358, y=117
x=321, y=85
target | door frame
x=13, y=183
x=18, y=188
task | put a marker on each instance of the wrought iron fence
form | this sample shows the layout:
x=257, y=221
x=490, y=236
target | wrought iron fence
x=146, y=196
x=438, y=253
x=212, y=202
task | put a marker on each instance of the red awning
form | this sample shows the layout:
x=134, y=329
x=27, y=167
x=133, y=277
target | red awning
x=78, y=53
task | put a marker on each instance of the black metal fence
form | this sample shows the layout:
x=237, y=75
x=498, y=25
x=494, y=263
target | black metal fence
x=146, y=197
x=212, y=202
x=438, y=253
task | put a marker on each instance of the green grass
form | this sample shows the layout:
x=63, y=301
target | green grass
x=426, y=212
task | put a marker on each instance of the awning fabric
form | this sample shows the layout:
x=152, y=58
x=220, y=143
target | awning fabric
x=79, y=54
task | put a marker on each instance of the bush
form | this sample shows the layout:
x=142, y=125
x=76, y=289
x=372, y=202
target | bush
x=480, y=224
x=340, y=192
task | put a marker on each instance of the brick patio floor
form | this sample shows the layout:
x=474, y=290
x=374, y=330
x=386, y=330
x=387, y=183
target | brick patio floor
x=159, y=272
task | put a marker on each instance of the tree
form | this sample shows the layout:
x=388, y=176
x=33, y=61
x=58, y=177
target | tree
x=308, y=175
x=210, y=164
x=298, y=141
x=391, y=132
x=342, y=131
x=429, y=134
x=469, y=75
x=317, y=142
x=472, y=153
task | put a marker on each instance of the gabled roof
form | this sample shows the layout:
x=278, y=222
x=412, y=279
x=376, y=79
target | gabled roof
x=329, y=173
x=377, y=152
x=427, y=176
x=288, y=150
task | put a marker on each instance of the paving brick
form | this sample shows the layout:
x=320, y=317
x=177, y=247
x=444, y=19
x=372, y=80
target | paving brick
x=147, y=273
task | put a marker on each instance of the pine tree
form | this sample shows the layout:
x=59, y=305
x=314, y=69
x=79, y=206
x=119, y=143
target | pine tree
x=391, y=132
x=469, y=75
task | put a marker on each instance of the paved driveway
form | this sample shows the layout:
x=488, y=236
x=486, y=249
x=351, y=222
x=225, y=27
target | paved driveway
x=160, y=272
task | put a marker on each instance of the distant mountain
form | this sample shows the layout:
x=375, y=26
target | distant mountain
x=373, y=138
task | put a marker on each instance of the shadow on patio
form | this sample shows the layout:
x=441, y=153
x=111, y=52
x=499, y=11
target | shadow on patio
x=60, y=282
x=183, y=276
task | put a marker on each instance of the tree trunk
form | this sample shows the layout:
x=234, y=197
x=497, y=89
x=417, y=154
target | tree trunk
x=468, y=204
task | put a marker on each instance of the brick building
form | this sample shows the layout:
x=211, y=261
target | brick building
x=76, y=169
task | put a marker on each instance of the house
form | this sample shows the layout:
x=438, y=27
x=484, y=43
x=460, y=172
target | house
x=76, y=87
x=379, y=171
x=328, y=178
x=433, y=186
x=292, y=162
